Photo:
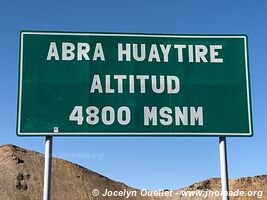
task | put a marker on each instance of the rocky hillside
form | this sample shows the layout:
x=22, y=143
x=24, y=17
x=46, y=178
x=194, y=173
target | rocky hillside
x=21, y=178
x=253, y=188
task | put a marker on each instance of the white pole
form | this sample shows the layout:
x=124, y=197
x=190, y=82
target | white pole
x=48, y=167
x=224, y=170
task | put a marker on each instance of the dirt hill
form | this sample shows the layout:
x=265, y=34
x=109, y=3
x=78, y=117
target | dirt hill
x=21, y=178
x=253, y=188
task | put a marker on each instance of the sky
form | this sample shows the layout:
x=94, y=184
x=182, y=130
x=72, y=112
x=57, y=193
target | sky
x=142, y=162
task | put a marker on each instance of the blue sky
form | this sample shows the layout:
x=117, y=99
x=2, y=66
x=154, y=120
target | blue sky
x=144, y=162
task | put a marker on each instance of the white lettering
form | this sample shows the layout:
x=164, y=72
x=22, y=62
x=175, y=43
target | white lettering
x=67, y=51
x=52, y=52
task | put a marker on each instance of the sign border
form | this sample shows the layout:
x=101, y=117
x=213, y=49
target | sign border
x=162, y=134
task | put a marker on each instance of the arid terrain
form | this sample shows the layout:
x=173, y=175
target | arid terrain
x=21, y=178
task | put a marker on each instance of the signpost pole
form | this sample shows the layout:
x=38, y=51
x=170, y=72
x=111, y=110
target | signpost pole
x=48, y=167
x=224, y=170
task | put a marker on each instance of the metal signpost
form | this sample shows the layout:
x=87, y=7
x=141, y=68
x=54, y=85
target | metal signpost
x=92, y=84
x=48, y=167
x=224, y=168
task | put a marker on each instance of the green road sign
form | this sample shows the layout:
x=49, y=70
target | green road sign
x=133, y=84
